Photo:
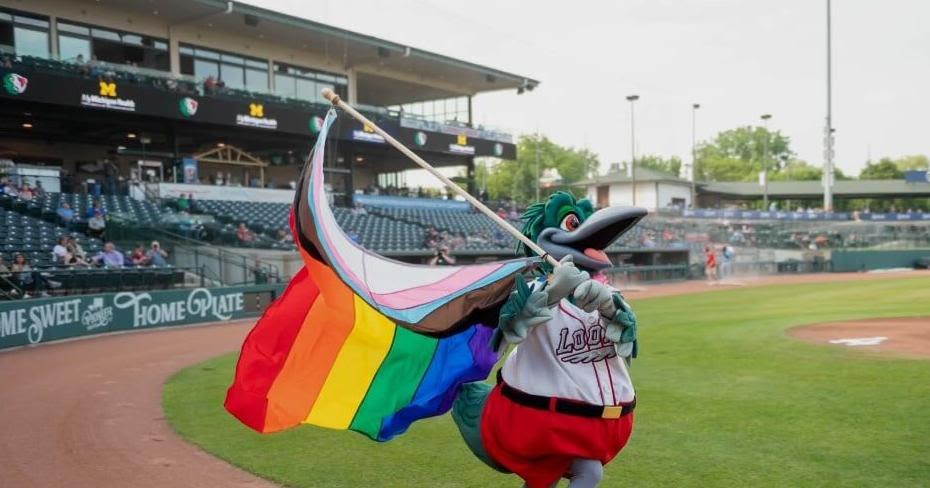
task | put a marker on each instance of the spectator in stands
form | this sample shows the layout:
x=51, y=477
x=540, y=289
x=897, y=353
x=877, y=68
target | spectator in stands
x=244, y=234
x=110, y=257
x=39, y=190
x=156, y=255
x=111, y=175
x=97, y=225
x=441, y=257
x=7, y=61
x=79, y=257
x=6, y=280
x=66, y=215
x=710, y=263
x=502, y=213
x=96, y=208
x=138, y=256
x=60, y=253
x=359, y=209
x=183, y=202
x=209, y=85
x=29, y=279
x=26, y=193
x=285, y=236
x=10, y=189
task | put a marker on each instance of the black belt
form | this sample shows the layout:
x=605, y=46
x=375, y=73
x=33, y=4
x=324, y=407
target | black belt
x=562, y=405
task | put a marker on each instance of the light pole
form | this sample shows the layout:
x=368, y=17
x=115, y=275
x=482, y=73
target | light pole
x=692, y=169
x=765, y=163
x=537, y=165
x=631, y=99
x=828, y=130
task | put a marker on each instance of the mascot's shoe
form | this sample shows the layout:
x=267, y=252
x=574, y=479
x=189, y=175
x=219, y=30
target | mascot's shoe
x=466, y=412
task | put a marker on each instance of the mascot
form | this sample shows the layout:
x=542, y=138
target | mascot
x=563, y=404
x=365, y=343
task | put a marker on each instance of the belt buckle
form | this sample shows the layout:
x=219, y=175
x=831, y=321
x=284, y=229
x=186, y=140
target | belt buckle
x=612, y=412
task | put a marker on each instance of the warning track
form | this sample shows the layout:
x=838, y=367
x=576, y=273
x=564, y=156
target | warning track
x=88, y=412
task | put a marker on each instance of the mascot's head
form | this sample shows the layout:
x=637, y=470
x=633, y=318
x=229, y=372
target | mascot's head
x=563, y=226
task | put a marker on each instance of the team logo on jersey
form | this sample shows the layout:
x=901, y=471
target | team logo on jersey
x=189, y=106
x=420, y=139
x=583, y=346
x=15, y=84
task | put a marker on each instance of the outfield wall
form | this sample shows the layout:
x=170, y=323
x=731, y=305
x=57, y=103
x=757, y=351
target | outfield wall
x=27, y=322
x=846, y=260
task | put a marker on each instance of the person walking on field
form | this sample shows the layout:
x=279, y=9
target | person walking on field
x=710, y=263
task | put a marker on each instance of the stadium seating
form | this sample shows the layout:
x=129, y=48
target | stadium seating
x=35, y=238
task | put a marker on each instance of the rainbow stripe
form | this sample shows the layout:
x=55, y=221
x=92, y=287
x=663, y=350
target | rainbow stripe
x=343, y=365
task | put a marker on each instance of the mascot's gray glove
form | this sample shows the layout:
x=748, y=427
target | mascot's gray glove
x=524, y=310
x=621, y=321
x=564, y=279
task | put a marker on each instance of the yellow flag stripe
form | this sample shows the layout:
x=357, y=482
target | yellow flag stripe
x=354, y=369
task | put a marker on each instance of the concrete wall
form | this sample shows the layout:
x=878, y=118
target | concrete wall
x=866, y=260
x=649, y=194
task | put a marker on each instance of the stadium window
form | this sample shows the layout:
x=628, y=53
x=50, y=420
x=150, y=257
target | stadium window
x=234, y=70
x=305, y=83
x=453, y=109
x=111, y=46
x=25, y=34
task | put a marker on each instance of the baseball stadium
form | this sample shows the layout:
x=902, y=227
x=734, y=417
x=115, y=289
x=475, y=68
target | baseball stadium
x=230, y=235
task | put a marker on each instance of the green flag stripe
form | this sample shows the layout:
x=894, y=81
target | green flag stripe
x=396, y=381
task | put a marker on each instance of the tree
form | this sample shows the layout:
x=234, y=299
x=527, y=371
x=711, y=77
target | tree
x=516, y=179
x=799, y=170
x=737, y=154
x=883, y=169
x=671, y=165
x=916, y=162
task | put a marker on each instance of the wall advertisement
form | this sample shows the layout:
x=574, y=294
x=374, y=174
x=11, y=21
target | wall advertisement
x=27, y=322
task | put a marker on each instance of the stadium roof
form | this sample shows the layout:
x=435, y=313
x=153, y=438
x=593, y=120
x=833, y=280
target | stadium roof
x=813, y=189
x=430, y=75
x=643, y=175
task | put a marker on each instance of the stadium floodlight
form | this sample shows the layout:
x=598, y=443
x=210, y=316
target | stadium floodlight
x=691, y=170
x=765, y=163
x=631, y=99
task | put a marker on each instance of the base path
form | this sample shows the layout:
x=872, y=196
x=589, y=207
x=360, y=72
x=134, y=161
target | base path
x=904, y=336
x=88, y=412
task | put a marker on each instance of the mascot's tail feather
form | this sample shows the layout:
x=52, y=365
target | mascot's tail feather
x=466, y=411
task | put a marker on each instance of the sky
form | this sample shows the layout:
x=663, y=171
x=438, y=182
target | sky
x=738, y=59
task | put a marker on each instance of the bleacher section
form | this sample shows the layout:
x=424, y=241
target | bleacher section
x=35, y=238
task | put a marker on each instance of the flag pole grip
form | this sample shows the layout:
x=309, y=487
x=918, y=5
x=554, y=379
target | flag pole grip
x=337, y=101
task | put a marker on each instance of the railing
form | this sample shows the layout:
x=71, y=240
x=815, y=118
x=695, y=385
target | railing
x=219, y=264
x=79, y=280
x=640, y=274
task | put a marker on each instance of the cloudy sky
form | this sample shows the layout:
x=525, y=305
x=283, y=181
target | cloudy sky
x=738, y=59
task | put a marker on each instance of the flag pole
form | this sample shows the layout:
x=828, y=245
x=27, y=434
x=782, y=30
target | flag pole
x=338, y=102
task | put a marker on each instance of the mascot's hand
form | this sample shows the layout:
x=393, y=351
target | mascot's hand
x=621, y=329
x=524, y=310
x=565, y=278
x=592, y=295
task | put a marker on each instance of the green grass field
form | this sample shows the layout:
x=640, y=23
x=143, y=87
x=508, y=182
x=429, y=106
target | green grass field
x=725, y=399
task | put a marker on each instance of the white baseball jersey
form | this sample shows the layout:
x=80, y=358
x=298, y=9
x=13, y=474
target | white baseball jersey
x=570, y=357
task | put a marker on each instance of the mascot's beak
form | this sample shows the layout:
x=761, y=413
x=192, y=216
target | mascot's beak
x=587, y=243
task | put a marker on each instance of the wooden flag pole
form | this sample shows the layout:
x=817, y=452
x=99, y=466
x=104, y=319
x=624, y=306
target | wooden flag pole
x=338, y=102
